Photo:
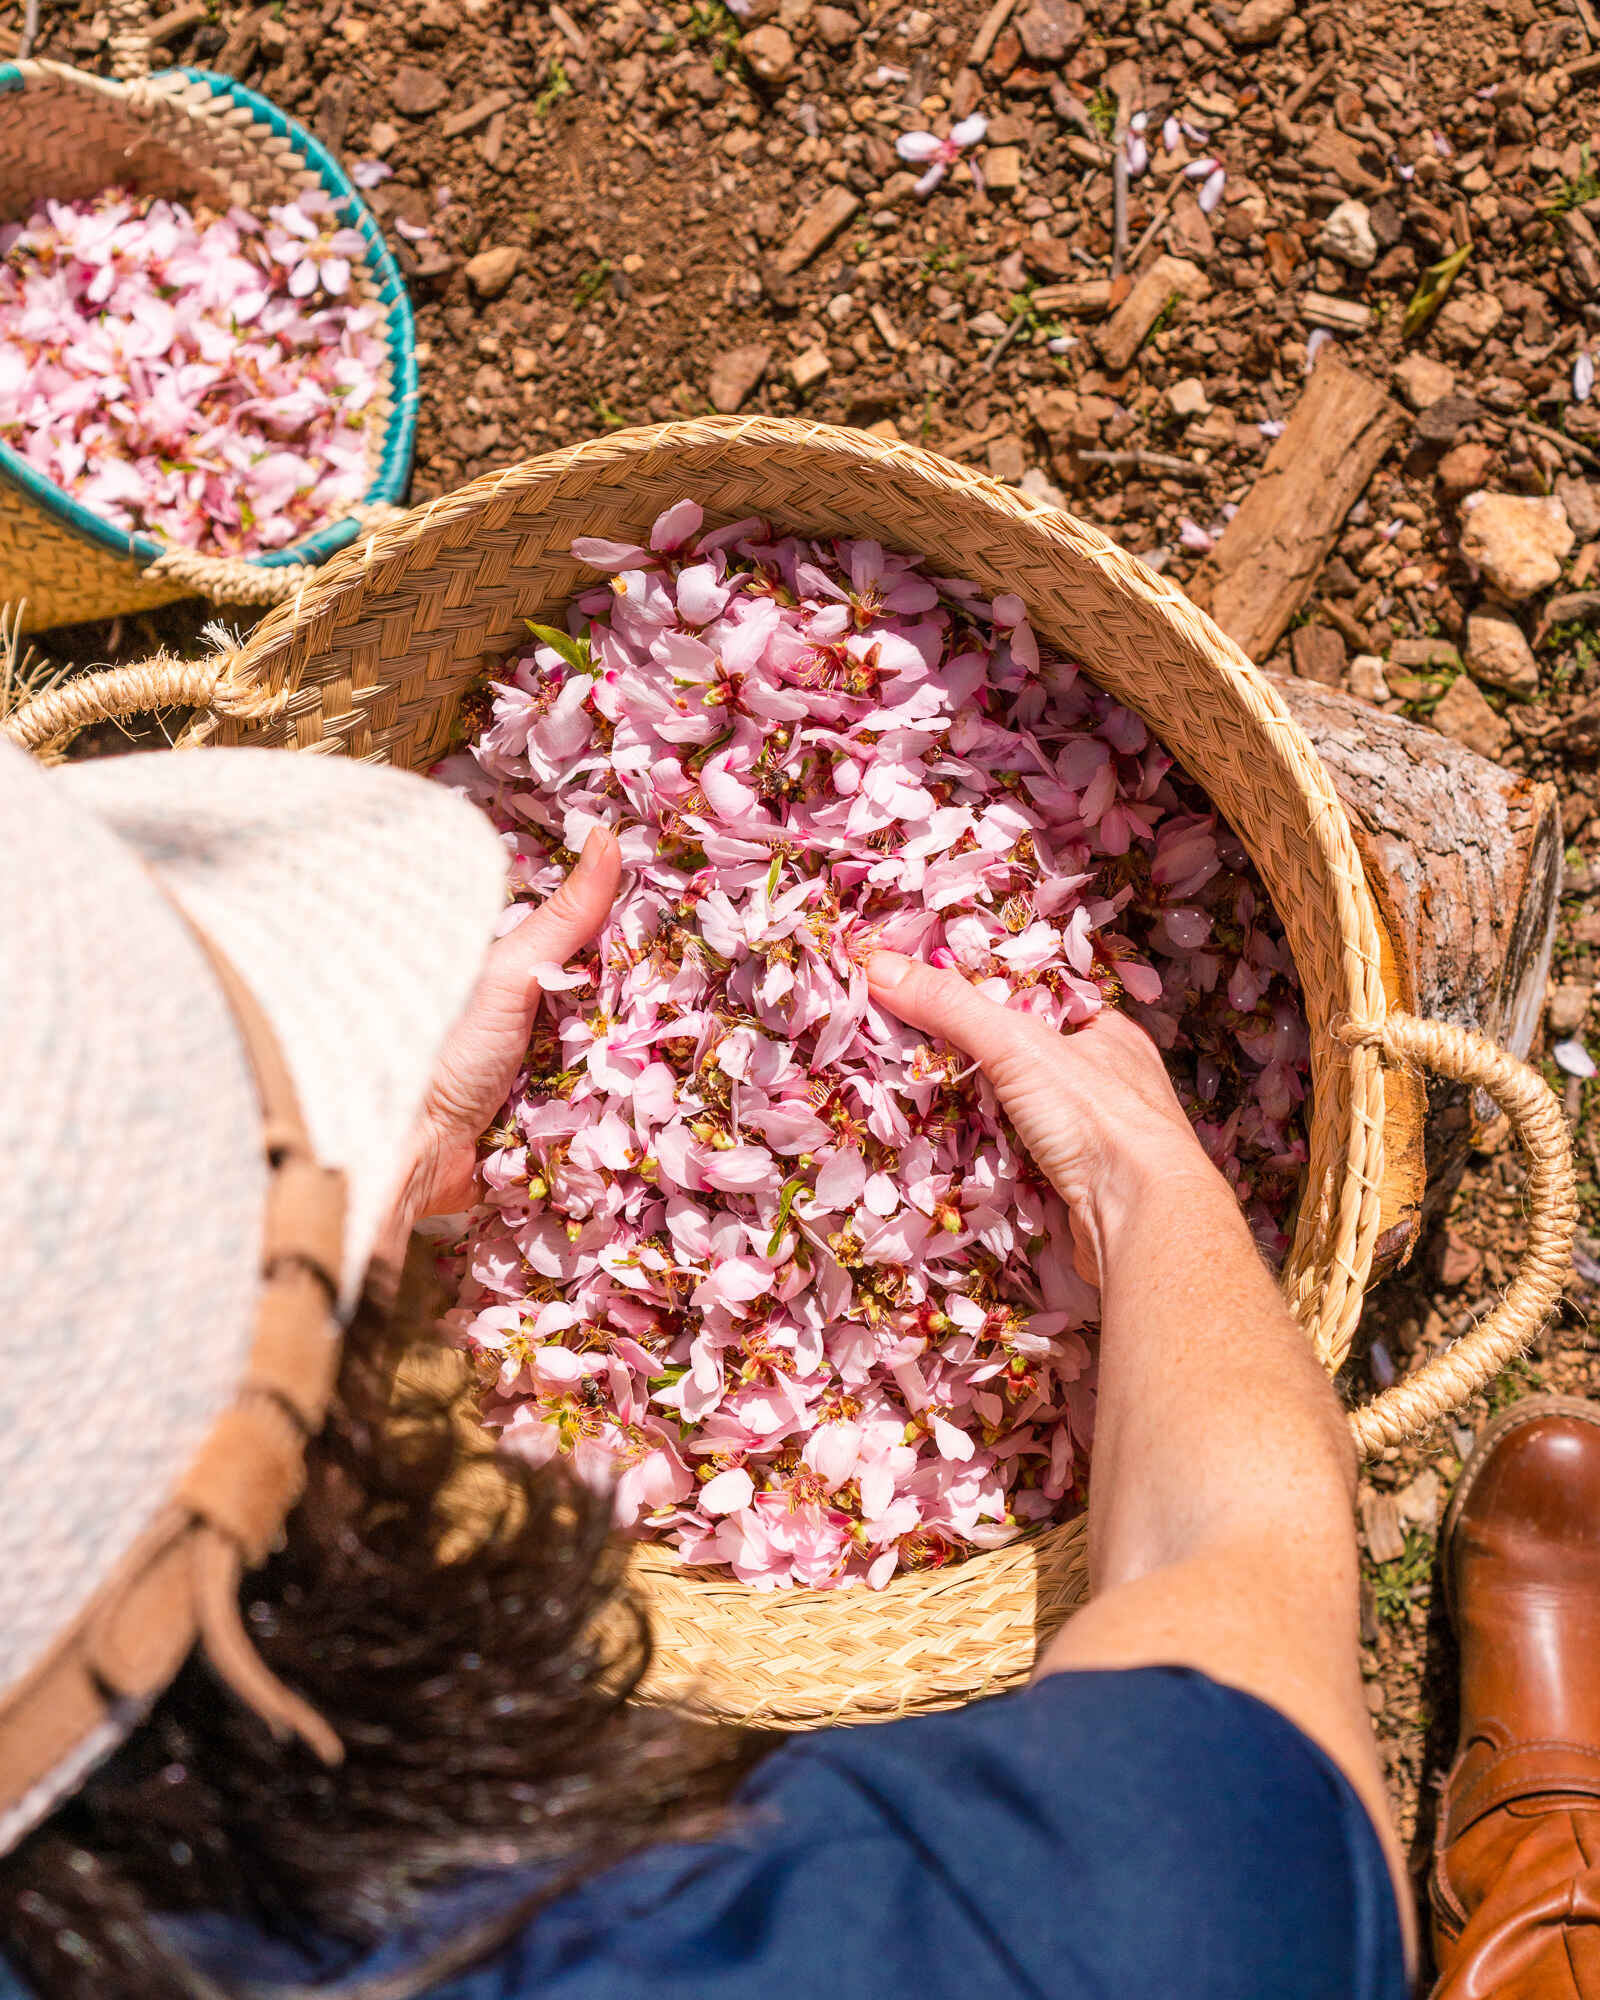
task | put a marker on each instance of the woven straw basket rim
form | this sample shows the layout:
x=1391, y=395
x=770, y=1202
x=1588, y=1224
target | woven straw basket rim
x=370, y=658
x=227, y=137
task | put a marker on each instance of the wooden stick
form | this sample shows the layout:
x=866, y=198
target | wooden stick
x=1166, y=201
x=1509, y=424
x=1271, y=552
x=986, y=37
x=30, y=31
x=1154, y=461
x=1293, y=102
x=1003, y=343
x=1119, y=205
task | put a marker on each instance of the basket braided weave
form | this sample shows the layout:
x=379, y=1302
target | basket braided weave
x=371, y=659
x=194, y=136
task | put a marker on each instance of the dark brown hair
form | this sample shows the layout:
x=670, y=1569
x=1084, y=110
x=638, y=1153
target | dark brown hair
x=462, y=1621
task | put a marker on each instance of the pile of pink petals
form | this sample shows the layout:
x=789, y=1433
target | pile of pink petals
x=202, y=379
x=747, y=1243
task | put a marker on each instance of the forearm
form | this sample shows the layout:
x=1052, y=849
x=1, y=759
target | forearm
x=1207, y=1387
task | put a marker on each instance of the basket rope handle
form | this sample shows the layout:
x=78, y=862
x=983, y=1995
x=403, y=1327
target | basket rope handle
x=52, y=719
x=1541, y=1129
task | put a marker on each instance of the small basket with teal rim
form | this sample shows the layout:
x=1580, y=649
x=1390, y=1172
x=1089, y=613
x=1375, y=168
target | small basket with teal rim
x=191, y=136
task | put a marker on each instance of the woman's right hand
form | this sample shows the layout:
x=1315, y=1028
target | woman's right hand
x=1095, y=1108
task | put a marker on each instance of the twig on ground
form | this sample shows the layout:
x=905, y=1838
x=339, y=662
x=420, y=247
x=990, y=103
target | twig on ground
x=1153, y=461
x=1150, y=228
x=1509, y=424
x=1591, y=26
x=1292, y=103
x=30, y=30
x=1119, y=204
x=986, y=37
x=1355, y=633
x=1005, y=340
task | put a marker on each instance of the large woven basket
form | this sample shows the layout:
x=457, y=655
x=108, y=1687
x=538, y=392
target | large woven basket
x=195, y=136
x=371, y=661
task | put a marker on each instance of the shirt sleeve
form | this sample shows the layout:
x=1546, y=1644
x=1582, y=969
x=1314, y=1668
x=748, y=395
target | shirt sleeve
x=1103, y=1836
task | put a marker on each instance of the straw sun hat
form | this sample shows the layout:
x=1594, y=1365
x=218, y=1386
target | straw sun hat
x=224, y=979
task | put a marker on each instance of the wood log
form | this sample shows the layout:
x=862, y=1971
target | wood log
x=1271, y=552
x=1464, y=862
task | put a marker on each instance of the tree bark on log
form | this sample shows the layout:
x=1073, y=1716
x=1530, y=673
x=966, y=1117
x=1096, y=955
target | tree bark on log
x=1464, y=861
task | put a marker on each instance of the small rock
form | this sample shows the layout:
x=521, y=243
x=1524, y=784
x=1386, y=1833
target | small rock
x=1466, y=320
x=1518, y=542
x=1463, y=470
x=1347, y=235
x=1497, y=653
x=415, y=91
x=1190, y=233
x=1568, y=1007
x=1365, y=680
x=808, y=369
x=1581, y=498
x=1259, y=21
x=1051, y=30
x=1284, y=255
x=492, y=270
x=1037, y=487
x=1318, y=653
x=735, y=374
x=1444, y=421
x=1420, y=1503
x=837, y=28
x=1007, y=459
x=1188, y=398
x=1424, y=653
x=524, y=363
x=1459, y=1260
x=1465, y=717
x=1423, y=381
x=382, y=137
x=769, y=52
x=1002, y=169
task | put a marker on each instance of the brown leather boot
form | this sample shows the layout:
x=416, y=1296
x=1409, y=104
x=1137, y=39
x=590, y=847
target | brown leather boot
x=1516, y=1875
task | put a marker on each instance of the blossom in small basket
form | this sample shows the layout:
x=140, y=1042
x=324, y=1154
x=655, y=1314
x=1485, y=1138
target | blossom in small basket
x=748, y=1245
x=205, y=379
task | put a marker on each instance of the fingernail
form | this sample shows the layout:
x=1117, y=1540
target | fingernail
x=589, y=859
x=886, y=969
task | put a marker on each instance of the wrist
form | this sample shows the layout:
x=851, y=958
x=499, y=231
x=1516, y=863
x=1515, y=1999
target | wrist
x=1163, y=1179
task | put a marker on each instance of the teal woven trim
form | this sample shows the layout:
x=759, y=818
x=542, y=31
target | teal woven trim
x=400, y=435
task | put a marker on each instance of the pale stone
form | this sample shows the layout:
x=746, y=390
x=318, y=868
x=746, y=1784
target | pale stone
x=1465, y=716
x=1261, y=21
x=1518, y=541
x=1423, y=381
x=1002, y=169
x=1497, y=653
x=1347, y=235
x=492, y=270
x=735, y=374
x=1188, y=398
x=808, y=369
x=770, y=52
x=1466, y=320
x=1037, y=487
x=1569, y=1005
x=1364, y=678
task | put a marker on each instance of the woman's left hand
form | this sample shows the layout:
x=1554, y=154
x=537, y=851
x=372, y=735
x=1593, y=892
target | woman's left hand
x=488, y=1045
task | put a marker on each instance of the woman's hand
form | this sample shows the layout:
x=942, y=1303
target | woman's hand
x=1095, y=1108
x=487, y=1046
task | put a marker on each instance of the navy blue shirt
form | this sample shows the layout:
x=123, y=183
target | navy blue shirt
x=1103, y=1836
